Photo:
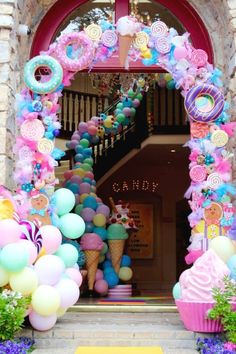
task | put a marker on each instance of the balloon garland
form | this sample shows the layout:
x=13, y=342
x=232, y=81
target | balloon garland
x=210, y=192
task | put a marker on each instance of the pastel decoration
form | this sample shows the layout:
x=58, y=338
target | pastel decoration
x=204, y=103
x=9, y=232
x=82, y=41
x=223, y=247
x=176, y=291
x=141, y=40
x=42, y=323
x=125, y=273
x=159, y=29
x=30, y=232
x=4, y=277
x=51, y=238
x=109, y=38
x=32, y=130
x=14, y=257
x=93, y=31
x=64, y=201
x=45, y=146
x=55, y=77
x=25, y=281
x=68, y=291
x=213, y=213
x=49, y=269
x=198, y=173
x=199, y=130
x=31, y=250
x=219, y=138
x=45, y=300
x=210, y=231
x=199, y=58
x=214, y=180
x=72, y=226
x=162, y=45
x=25, y=153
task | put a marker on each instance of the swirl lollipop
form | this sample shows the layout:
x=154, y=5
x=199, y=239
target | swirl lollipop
x=159, y=29
x=109, y=38
x=199, y=57
x=219, y=138
x=31, y=233
x=162, y=45
x=45, y=146
x=32, y=130
x=214, y=180
x=141, y=40
x=198, y=173
x=94, y=32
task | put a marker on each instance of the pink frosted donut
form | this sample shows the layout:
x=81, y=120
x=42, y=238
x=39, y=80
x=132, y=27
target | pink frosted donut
x=207, y=93
x=83, y=42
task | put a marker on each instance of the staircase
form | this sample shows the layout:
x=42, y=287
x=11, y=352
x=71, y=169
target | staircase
x=76, y=329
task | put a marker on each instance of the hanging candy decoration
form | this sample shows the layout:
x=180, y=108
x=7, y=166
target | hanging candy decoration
x=162, y=45
x=32, y=130
x=159, y=29
x=109, y=38
x=219, y=138
x=141, y=40
x=94, y=32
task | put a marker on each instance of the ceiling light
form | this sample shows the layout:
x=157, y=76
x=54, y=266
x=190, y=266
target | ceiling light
x=173, y=150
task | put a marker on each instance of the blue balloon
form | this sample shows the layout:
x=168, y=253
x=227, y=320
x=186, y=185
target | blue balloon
x=90, y=202
x=232, y=266
x=112, y=279
x=109, y=270
x=79, y=158
x=74, y=187
x=86, y=136
x=125, y=261
x=127, y=102
x=176, y=291
x=101, y=231
x=87, y=152
x=89, y=227
x=87, y=180
x=107, y=264
x=79, y=149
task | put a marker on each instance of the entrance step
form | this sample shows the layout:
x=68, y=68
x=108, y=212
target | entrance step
x=115, y=329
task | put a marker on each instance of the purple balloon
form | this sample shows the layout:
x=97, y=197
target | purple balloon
x=31, y=233
x=75, y=137
x=87, y=214
x=85, y=188
x=127, y=111
x=82, y=127
x=73, y=144
x=76, y=179
x=136, y=103
x=103, y=209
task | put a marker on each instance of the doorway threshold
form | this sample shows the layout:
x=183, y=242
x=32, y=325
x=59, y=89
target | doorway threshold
x=170, y=308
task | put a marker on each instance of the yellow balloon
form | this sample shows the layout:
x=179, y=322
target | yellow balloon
x=108, y=123
x=6, y=209
x=45, y=300
x=25, y=281
x=99, y=220
x=168, y=77
x=82, y=197
x=223, y=247
x=79, y=172
x=4, y=277
x=61, y=312
x=125, y=273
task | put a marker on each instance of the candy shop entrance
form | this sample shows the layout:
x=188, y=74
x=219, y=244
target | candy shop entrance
x=145, y=166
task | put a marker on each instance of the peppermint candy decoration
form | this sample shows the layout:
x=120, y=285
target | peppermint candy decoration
x=32, y=130
x=31, y=233
x=198, y=173
x=45, y=146
x=214, y=180
x=159, y=29
x=141, y=40
x=109, y=38
x=94, y=32
x=162, y=45
x=199, y=57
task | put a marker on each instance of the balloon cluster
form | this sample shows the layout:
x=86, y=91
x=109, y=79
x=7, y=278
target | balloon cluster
x=33, y=261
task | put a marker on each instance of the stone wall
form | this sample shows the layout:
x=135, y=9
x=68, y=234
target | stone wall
x=219, y=17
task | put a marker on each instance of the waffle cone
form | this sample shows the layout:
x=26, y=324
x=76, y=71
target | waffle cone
x=116, y=248
x=92, y=258
x=124, y=46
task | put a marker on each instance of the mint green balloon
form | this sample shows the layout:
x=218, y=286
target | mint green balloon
x=131, y=94
x=89, y=161
x=78, y=209
x=72, y=226
x=139, y=96
x=14, y=257
x=64, y=201
x=84, y=143
x=86, y=167
x=176, y=291
x=68, y=254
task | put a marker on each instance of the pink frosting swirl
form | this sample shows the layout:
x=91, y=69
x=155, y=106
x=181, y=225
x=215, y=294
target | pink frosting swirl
x=206, y=273
x=91, y=241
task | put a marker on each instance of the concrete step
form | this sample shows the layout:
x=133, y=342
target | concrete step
x=115, y=329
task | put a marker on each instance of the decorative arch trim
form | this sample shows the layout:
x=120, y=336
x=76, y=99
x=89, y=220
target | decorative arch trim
x=185, y=13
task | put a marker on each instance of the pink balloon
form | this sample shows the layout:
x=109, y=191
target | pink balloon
x=52, y=238
x=99, y=274
x=92, y=129
x=49, y=269
x=101, y=286
x=85, y=188
x=42, y=323
x=75, y=275
x=82, y=127
x=76, y=179
x=89, y=174
x=10, y=232
x=180, y=53
x=31, y=249
x=69, y=292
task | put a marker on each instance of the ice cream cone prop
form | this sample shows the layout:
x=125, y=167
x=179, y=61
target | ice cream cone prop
x=92, y=258
x=116, y=248
x=124, y=46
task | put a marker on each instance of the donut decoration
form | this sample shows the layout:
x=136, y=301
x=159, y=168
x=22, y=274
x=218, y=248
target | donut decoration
x=55, y=79
x=32, y=130
x=204, y=103
x=199, y=58
x=159, y=29
x=109, y=38
x=141, y=40
x=83, y=43
x=45, y=146
x=219, y=138
x=162, y=45
x=199, y=130
x=214, y=180
x=93, y=31
x=198, y=173
x=31, y=233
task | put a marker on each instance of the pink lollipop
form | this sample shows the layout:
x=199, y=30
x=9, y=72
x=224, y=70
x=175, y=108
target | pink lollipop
x=199, y=57
x=32, y=130
x=198, y=173
x=31, y=233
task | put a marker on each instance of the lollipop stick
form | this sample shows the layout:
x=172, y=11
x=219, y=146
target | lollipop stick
x=113, y=207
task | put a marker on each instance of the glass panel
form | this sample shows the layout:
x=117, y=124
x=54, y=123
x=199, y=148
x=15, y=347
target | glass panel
x=90, y=12
x=156, y=11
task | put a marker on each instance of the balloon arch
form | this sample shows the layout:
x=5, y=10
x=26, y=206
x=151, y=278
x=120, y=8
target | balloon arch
x=210, y=193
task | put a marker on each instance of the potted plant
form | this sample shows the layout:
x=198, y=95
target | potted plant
x=13, y=309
